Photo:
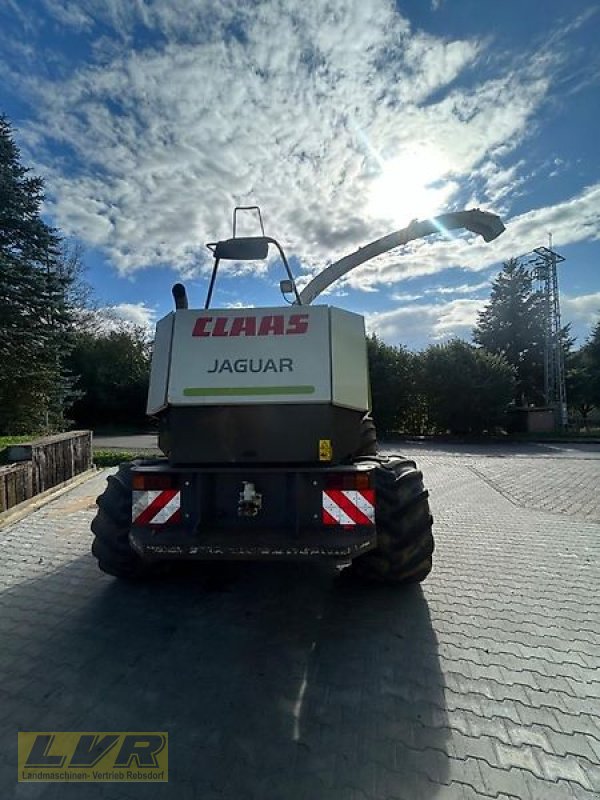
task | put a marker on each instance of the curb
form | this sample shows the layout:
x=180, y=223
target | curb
x=39, y=500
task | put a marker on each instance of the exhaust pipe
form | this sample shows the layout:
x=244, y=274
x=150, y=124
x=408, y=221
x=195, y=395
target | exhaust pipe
x=179, y=296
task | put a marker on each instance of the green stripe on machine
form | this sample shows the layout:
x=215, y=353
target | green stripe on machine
x=245, y=391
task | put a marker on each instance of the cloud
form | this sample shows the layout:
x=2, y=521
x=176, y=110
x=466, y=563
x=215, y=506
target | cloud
x=456, y=317
x=237, y=304
x=68, y=14
x=405, y=298
x=414, y=324
x=499, y=181
x=583, y=308
x=138, y=314
x=433, y=322
x=465, y=288
x=161, y=134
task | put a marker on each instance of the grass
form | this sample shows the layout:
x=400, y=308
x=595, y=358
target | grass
x=6, y=441
x=102, y=458
x=112, y=458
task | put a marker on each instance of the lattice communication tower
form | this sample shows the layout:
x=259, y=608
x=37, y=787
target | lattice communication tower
x=545, y=273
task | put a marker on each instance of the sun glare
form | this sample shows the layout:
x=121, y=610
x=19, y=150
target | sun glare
x=411, y=186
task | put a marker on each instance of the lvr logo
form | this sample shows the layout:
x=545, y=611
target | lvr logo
x=94, y=756
x=139, y=750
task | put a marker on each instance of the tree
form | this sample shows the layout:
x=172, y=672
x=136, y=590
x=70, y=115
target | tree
x=112, y=366
x=579, y=388
x=583, y=376
x=592, y=355
x=391, y=371
x=466, y=388
x=512, y=325
x=35, y=310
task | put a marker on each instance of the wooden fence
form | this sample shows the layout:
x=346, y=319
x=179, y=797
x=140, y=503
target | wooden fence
x=43, y=464
x=16, y=485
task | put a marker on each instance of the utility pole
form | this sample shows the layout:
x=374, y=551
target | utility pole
x=546, y=274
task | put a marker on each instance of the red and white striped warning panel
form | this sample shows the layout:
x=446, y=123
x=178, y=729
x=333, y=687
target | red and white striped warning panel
x=158, y=507
x=349, y=507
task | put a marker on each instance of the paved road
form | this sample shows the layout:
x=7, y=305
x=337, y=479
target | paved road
x=280, y=681
x=143, y=441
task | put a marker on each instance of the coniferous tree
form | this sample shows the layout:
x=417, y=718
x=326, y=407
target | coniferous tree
x=35, y=312
x=512, y=325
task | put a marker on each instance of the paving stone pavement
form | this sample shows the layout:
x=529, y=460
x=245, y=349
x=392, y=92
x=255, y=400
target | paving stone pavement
x=280, y=681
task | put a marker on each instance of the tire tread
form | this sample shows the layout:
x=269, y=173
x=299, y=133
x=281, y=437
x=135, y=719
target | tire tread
x=405, y=542
x=111, y=527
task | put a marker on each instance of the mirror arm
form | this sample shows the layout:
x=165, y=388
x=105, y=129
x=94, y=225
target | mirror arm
x=287, y=267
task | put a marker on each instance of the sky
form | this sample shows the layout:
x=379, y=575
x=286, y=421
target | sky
x=342, y=119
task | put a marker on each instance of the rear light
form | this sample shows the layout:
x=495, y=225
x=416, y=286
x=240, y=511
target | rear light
x=357, y=481
x=154, y=481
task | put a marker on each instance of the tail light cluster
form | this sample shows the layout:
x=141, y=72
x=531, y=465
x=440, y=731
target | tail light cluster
x=154, y=481
x=357, y=481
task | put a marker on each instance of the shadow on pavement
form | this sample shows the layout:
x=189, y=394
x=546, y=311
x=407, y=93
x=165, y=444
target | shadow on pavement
x=272, y=680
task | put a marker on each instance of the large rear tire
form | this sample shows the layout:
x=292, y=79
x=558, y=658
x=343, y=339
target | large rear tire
x=111, y=527
x=405, y=542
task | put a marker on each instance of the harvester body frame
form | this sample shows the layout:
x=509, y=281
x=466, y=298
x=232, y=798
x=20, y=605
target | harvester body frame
x=270, y=450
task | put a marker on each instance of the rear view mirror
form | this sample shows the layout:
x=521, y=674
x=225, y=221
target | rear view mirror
x=243, y=248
